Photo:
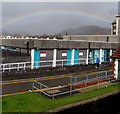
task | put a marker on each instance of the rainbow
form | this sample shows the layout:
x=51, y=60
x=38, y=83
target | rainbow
x=49, y=12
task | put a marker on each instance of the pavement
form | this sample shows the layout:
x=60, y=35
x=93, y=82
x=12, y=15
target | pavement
x=24, y=86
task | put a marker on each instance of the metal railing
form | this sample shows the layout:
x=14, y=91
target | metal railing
x=40, y=64
x=75, y=84
x=15, y=66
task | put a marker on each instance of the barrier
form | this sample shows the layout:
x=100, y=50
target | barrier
x=28, y=65
x=76, y=84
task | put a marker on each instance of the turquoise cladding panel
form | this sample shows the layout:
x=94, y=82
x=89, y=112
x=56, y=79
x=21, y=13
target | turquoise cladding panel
x=69, y=57
x=106, y=55
x=36, y=58
x=7, y=48
x=76, y=57
x=95, y=54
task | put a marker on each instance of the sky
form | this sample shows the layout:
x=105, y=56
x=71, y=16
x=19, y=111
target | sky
x=37, y=18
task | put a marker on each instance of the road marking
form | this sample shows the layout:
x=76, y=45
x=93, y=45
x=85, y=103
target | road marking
x=14, y=93
x=46, y=89
x=51, y=78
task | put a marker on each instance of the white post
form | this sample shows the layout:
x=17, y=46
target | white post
x=116, y=69
x=24, y=65
x=72, y=59
x=18, y=67
x=100, y=56
x=87, y=57
x=118, y=24
x=32, y=58
x=62, y=63
x=3, y=67
x=54, y=57
x=110, y=54
x=9, y=67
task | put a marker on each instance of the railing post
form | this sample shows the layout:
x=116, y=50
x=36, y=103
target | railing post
x=98, y=79
x=86, y=82
x=70, y=85
x=62, y=63
x=9, y=67
x=33, y=86
x=75, y=80
x=24, y=66
x=3, y=67
x=18, y=67
x=106, y=73
x=40, y=89
x=53, y=94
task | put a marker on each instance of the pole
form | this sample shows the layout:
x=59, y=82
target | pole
x=54, y=57
x=87, y=58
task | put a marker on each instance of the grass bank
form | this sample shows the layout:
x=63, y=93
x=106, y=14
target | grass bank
x=32, y=102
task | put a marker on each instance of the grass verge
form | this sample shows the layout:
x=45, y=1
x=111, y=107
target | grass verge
x=32, y=102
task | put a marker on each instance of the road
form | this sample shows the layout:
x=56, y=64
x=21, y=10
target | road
x=23, y=86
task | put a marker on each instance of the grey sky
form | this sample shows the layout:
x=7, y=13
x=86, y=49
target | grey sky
x=55, y=17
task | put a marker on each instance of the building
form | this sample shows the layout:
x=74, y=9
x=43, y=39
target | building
x=116, y=63
x=115, y=26
x=71, y=50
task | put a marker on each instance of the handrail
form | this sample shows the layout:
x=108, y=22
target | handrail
x=47, y=63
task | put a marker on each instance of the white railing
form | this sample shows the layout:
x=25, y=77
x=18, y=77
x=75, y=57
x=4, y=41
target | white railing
x=16, y=66
x=41, y=64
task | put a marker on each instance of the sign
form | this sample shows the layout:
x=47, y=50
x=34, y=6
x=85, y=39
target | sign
x=64, y=54
x=42, y=54
x=80, y=53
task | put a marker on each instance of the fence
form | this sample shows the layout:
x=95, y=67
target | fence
x=77, y=84
x=15, y=66
x=40, y=64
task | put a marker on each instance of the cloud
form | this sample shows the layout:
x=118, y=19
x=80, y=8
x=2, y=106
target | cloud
x=52, y=23
x=60, y=0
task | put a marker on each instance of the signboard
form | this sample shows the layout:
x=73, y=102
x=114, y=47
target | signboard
x=64, y=54
x=81, y=53
x=42, y=54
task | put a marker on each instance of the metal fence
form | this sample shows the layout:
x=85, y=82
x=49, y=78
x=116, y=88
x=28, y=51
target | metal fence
x=78, y=84
x=15, y=66
x=40, y=64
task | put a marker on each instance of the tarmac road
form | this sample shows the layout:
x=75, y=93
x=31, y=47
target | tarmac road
x=19, y=87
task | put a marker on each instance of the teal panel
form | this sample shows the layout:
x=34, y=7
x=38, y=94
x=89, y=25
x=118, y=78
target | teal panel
x=119, y=69
x=69, y=56
x=106, y=56
x=8, y=48
x=36, y=58
x=103, y=56
x=95, y=54
x=76, y=57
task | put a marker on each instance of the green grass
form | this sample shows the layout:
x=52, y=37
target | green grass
x=32, y=102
